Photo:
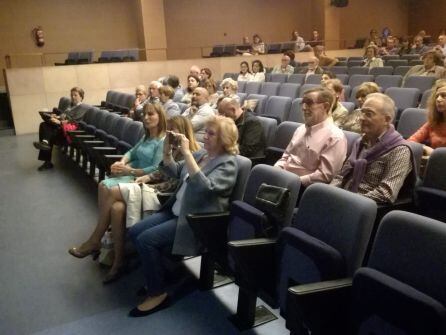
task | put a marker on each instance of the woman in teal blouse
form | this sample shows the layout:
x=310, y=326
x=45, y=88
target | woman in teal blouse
x=142, y=159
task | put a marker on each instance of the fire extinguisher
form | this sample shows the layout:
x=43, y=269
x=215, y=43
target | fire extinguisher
x=38, y=36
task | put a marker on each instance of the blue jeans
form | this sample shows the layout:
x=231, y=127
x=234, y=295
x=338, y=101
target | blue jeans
x=152, y=236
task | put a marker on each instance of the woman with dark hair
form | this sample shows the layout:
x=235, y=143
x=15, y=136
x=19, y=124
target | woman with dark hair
x=245, y=74
x=404, y=46
x=258, y=72
x=258, y=47
x=55, y=124
x=327, y=75
x=142, y=159
x=300, y=43
x=433, y=132
x=210, y=173
x=370, y=57
x=205, y=73
x=192, y=83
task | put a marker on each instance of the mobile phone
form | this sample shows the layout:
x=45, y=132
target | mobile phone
x=173, y=139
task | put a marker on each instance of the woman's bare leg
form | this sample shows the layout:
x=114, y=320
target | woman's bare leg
x=118, y=233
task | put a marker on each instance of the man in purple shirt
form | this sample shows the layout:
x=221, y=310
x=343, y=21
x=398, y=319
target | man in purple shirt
x=318, y=148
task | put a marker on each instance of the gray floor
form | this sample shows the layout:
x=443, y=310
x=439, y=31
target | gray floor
x=44, y=290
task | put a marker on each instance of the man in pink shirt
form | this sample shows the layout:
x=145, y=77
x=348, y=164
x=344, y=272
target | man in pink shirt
x=318, y=148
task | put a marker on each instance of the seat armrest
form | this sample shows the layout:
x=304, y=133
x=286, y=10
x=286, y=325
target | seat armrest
x=93, y=143
x=105, y=149
x=273, y=154
x=257, y=160
x=84, y=136
x=163, y=197
x=210, y=229
x=110, y=159
x=255, y=262
x=324, y=307
x=76, y=132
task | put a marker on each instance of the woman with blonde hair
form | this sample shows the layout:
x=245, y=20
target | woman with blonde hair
x=142, y=159
x=433, y=133
x=207, y=178
x=229, y=87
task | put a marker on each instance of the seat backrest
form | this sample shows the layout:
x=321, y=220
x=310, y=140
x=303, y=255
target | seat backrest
x=229, y=50
x=261, y=102
x=314, y=79
x=285, y=133
x=101, y=121
x=87, y=55
x=244, y=167
x=252, y=87
x=296, y=114
x=343, y=77
x=347, y=91
x=411, y=120
x=420, y=263
x=74, y=55
x=242, y=97
x=425, y=98
x=351, y=139
x=435, y=176
x=386, y=80
x=305, y=88
x=401, y=70
x=241, y=86
x=269, y=126
x=270, y=88
x=423, y=83
x=350, y=106
x=182, y=106
x=387, y=57
x=227, y=75
x=134, y=133
x=64, y=103
x=376, y=71
x=396, y=62
x=289, y=90
x=272, y=176
x=339, y=70
x=114, y=97
x=110, y=121
x=121, y=127
x=358, y=79
x=287, y=46
x=358, y=70
x=404, y=97
x=274, y=48
x=278, y=77
x=90, y=114
x=278, y=107
x=356, y=63
x=410, y=56
x=296, y=78
x=108, y=96
x=339, y=218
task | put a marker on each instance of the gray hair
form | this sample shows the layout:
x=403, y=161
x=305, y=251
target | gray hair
x=387, y=104
x=231, y=82
x=156, y=83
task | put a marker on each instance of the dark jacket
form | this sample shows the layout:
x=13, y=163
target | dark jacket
x=251, y=137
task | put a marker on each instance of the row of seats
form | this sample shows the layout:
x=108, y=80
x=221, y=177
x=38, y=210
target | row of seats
x=231, y=49
x=105, y=57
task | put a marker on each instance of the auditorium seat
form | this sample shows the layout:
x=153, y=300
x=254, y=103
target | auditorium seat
x=339, y=69
x=355, y=63
x=282, y=138
x=350, y=106
x=385, y=81
x=425, y=98
x=289, y=90
x=410, y=57
x=261, y=102
x=376, y=71
x=423, y=83
x=343, y=77
x=327, y=241
x=396, y=62
x=306, y=87
x=296, y=78
x=401, y=70
x=277, y=108
x=403, y=98
x=241, y=86
x=358, y=79
x=358, y=70
x=388, y=57
x=217, y=51
x=273, y=48
x=269, y=126
x=351, y=139
x=242, y=97
x=314, y=79
x=411, y=120
x=252, y=87
x=270, y=88
x=278, y=77
x=296, y=111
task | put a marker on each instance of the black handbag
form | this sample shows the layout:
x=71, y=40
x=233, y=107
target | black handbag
x=273, y=201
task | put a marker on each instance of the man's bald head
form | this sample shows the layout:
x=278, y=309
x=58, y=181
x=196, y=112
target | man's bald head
x=230, y=108
x=195, y=70
x=200, y=96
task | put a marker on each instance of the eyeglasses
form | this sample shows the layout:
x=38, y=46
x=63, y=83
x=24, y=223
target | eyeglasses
x=309, y=102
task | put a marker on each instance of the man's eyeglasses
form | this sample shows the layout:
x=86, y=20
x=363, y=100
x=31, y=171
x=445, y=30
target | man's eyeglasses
x=309, y=102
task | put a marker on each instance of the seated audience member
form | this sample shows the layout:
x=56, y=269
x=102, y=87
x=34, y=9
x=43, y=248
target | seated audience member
x=318, y=148
x=245, y=74
x=284, y=66
x=251, y=138
x=291, y=54
x=418, y=46
x=374, y=38
x=258, y=71
x=141, y=98
x=229, y=87
x=258, y=47
x=390, y=48
x=212, y=174
x=370, y=58
x=327, y=75
x=441, y=45
x=141, y=197
x=171, y=108
x=315, y=39
x=324, y=60
x=199, y=112
x=154, y=93
x=431, y=67
x=312, y=67
x=338, y=112
x=51, y=131
x=433, y=133
x=174, y=82
x=195, y=71
x=192, y=83
x=142, y=159
x=380, y=161
x=245, y=47
x=299, y=41
x=211, y=87
x=205, y=73
x=352, y=123
x=404, y=48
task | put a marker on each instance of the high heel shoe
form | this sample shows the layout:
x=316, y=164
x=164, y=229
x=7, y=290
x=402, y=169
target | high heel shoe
x=85, y=250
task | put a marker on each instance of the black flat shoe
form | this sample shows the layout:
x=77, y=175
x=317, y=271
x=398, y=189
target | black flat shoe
x=142, y=292
x=45, y=166
x=136, y=313
x=41, y=146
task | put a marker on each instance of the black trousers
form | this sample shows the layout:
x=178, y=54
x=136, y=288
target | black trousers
x=53, y=134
